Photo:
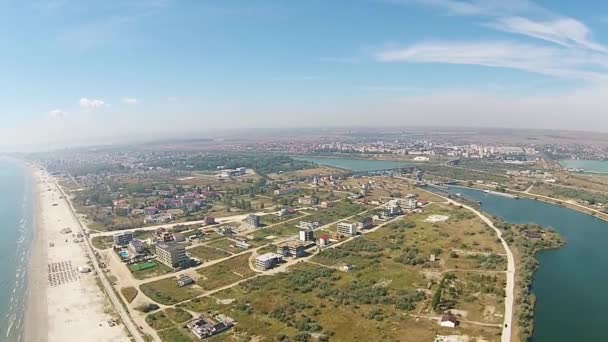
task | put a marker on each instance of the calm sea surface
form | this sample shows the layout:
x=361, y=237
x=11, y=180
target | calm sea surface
x=570, y=285
x=16, y=229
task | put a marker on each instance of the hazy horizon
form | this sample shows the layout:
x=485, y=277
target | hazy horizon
x=83, y=73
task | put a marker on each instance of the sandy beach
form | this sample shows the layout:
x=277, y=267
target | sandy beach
x=63, y=304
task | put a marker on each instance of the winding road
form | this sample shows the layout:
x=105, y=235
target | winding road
x=510, y=288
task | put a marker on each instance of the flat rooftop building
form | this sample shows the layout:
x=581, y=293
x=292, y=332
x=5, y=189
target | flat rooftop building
x=267, y=261
x=346, y=228
x=123, y=238
x=171, y=254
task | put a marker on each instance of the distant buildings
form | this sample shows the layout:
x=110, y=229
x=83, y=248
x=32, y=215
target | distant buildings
x=285, y=191
x=253, y=220
x=122, y=238
x=308, y=200
x=239, y=171
x=171, y=254
x=158, y=218
x=268, y=260
x=308, y=225
x=346, y=228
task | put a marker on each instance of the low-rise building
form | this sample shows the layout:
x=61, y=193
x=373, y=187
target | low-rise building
x=123, y=238
x=268, y=260
x=366, y=223
x=240, y=243
x=203, y=327
x=308, y=200
x=135, y=247
x=184, y=280
x=171, y=254
x=449, y=321
x=293, y=248
x=346, y=228
x=209, y=220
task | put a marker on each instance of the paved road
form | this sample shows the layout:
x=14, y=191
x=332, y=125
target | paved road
x=124, y=315
x=510, y=289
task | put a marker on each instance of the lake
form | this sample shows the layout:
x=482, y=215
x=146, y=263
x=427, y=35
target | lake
x=598, y=166
x=357, y=164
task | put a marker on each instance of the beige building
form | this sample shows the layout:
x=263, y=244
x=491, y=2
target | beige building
x=171, y=254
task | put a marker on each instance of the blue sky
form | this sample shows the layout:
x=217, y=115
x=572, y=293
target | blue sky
x=83, y=71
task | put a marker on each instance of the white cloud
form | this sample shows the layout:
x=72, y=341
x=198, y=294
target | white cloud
x=480, y=7
x=526, y=57
x=57, y=114
x=565, y=31
x=172, y=99
x=91, y=104
x=130, y=100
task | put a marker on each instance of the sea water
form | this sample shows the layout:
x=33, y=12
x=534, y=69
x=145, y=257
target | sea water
x=16, y=234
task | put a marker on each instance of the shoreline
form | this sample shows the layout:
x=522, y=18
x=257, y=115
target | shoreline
x=36, y=309
x=63, y=302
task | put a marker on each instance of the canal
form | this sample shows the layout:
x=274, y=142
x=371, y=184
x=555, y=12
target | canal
x=571, y=281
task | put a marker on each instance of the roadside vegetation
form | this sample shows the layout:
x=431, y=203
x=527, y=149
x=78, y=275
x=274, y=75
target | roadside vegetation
x=528, y=240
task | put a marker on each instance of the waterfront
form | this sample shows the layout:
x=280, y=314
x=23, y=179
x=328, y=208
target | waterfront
x=594, y=166
x=357, y=164
x=569, y=283
x=16, y=227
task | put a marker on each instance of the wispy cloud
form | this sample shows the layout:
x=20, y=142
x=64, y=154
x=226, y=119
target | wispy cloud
x=57, y=114
x=130, y=100
x=479, y=7
x=526, y=57
x=571, y=52
x=91, y=104
x=566, y=32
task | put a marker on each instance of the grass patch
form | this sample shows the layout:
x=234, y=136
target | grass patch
x=204, y=253
x=174, y=335
x=166, y=291
x=226, y=245
x=102, y=242
x=158, y=321
x=129, y=293
x=225, y=272
x=178, y=315
x=158, y=270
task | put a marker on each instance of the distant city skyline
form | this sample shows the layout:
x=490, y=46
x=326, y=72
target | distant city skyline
x=102, y=71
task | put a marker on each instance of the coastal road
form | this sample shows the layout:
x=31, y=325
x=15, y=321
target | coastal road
x=510, y=288
x=219, y=220
x=118, y=307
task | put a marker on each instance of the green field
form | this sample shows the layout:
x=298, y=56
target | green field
x=204, y=253
x=225, y=272
x=166, y=291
